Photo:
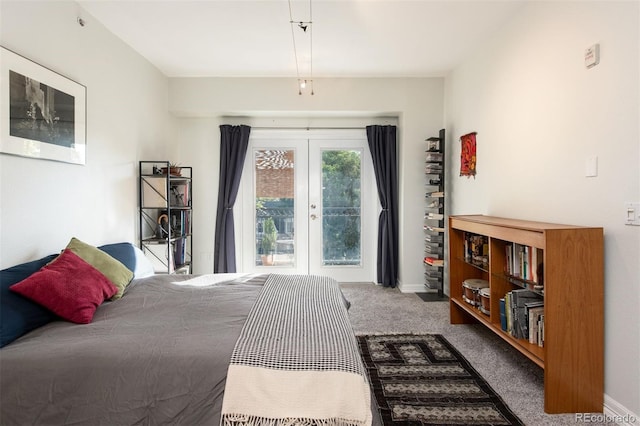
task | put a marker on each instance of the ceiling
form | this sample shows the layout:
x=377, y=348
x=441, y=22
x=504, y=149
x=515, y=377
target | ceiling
x=347, y=38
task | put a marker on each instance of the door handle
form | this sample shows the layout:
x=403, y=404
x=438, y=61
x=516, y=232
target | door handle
x=313, y=217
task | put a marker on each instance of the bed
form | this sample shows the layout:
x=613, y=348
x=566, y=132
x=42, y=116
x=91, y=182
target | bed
x=169, y=347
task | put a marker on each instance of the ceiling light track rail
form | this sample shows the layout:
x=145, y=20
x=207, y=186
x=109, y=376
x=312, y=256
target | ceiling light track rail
x=307, y=29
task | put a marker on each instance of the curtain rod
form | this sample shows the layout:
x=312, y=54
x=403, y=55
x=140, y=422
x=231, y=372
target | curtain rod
x=306, y=128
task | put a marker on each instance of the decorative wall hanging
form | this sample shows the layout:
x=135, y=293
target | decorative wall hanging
x=468, y=155
x=42, y=113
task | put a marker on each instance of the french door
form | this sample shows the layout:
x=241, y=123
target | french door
x=309, y=204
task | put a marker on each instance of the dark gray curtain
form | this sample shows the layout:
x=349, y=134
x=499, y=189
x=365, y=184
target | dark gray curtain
x=382, y=144
x=233, y=149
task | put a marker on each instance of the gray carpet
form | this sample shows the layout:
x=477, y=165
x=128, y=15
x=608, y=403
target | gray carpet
x=519, y=382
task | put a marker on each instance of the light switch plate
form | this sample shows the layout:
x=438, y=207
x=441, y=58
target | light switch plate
x=591, y=166
x=632, y=214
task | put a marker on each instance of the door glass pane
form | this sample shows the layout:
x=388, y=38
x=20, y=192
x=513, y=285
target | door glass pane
x=341, y=202
x=274, y=204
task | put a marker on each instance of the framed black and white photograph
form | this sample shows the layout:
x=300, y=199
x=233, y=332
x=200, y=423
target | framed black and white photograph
x=42, y=113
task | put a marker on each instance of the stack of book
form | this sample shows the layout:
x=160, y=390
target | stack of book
x=180, y=222
x=433, y=249
x=434, y=157
x=524, y=262
x=180, y=251
x=522, y=315
x=476, y=249
x=433, y=168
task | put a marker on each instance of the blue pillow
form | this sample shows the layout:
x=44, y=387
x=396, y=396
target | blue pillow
x=19, y=315
x=122, y=252
x=132, y=257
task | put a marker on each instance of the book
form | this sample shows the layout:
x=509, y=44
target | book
x=178, y=253
x=533, y=316
x=533, y=263
x=433, y=261
x=433, y=168
x=516, y=258
x=433, y=156
x=508, y=259
x=433, y=249
x=503, y=315
x=433, y=273
x=520, y=298
x=432, y=283
x=507, y=301
x=433, y=238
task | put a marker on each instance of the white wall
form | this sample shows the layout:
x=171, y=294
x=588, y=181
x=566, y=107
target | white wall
x=540, y=114
x=44, y=203
x=417, y=103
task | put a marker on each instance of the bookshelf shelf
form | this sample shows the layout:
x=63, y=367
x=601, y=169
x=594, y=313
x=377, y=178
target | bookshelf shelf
x=165, y=216
x=572, y=354
x=480, y=266
x=531, y=351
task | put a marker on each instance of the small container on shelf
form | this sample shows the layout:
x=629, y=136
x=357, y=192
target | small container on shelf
x=433, y=144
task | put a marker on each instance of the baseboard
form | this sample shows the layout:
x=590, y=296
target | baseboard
x=411, y=288
x=617, y=413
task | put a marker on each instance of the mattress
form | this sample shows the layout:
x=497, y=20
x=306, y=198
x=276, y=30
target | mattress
x=158, y=356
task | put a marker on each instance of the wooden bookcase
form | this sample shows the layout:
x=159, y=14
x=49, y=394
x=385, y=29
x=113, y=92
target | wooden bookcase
x=573, y=257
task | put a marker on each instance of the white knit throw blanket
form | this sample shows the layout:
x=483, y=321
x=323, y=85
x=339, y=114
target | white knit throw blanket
x=296, y=361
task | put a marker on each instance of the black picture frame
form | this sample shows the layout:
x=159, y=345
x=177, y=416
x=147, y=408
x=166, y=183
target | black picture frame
x=42, y=113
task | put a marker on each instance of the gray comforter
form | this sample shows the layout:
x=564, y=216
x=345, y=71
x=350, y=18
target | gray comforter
x=157, y=356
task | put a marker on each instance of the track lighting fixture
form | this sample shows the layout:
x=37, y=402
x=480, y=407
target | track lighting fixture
x=302, y=84
x=307, y=31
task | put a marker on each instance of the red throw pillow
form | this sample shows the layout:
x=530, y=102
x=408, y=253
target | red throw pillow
x=69, y=287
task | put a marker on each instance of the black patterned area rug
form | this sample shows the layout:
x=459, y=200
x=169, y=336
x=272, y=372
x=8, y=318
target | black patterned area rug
x=424, y=380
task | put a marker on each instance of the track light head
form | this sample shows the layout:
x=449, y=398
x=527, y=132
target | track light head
x=303, y=26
